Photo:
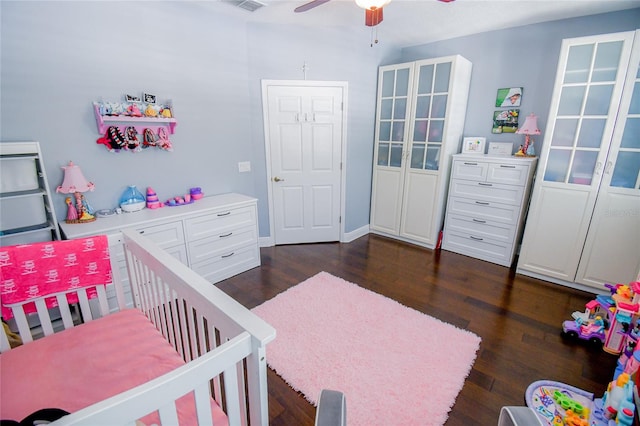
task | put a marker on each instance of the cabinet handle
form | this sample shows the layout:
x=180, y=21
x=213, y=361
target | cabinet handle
x=141, y=232
x=227, y=255
x=226, y=235
x=485, y=184
x=506, y=166
x=482, y=203
x=607, y=168
x=476, y=238
x=479, y=221
x=470, y=164
x=224, y=214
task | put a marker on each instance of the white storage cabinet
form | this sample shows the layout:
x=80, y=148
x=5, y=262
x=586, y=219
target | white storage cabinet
x=421, y=108
x=26, y=208
x=486, y=206
x=217, y=236
x=583, y=228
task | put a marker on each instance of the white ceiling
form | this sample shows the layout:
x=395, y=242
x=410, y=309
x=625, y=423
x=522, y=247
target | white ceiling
x=413, y=22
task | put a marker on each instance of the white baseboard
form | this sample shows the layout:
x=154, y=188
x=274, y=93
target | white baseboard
x=347, y=238
x=354, y=235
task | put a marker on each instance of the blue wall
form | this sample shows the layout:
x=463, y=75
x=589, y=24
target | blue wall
x=59, y=57
x=519, y=57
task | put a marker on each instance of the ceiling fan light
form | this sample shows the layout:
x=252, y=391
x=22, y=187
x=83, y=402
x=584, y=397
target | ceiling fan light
x=372, y=4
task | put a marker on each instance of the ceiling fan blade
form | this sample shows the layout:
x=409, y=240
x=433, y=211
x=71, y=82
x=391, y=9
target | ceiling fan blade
x=310, y=5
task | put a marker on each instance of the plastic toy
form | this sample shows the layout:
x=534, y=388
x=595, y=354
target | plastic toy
x=166, y=112
x=196, y=193
x=152, y=199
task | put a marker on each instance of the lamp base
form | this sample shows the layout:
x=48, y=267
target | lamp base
x=92, y=219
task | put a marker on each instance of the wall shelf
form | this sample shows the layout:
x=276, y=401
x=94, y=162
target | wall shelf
x=140, y=123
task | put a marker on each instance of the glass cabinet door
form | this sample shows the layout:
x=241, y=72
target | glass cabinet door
x=583, y=111
x=393, y=116
x=626, y=172
x=429, y=116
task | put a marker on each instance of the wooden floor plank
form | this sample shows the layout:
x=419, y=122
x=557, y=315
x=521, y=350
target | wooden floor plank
x=518, y=318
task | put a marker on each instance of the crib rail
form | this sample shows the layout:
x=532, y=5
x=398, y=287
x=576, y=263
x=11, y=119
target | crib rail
x=196, y=318
x=222, y=342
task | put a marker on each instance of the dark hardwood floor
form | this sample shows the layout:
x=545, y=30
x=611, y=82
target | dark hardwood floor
x=518, y=318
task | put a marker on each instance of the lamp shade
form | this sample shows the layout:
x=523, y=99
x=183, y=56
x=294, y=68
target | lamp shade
x=74, y=180
x=530, y=126
x=372, y=4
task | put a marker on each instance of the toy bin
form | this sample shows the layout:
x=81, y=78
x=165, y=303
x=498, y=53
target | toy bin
x=18, y=174
x=22, y=211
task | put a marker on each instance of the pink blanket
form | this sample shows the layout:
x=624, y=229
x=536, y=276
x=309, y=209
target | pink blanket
x=86, y=364
x=27, y=271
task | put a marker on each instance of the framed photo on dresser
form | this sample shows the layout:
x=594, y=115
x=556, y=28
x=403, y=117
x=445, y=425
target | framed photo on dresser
x=473, y=145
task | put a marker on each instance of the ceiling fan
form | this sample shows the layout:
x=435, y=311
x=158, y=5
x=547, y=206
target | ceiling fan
x=372, y=9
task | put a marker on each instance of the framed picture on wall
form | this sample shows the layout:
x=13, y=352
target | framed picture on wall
x=505, y=121
x=509, y=97
x=473, y=145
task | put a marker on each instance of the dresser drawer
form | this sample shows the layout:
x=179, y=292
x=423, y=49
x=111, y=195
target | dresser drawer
x=218, y=268
x=468, y=169
x=510, y=174
x=222, y=244
x=484, y=191
x=499, y=231
x=478, y=247
x=221, y=222
x=165, y=235
x=484, y=210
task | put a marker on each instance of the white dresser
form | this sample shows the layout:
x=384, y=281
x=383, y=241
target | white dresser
x=487, y=205
x=216, y=236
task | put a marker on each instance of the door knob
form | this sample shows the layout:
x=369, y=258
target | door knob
x=277, y=179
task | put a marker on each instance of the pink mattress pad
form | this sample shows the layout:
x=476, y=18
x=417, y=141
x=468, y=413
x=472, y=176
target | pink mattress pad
x=86, y=364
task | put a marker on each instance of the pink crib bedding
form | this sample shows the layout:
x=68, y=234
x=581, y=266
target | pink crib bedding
x=83, y=365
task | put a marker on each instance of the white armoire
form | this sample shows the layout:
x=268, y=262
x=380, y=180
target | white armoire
x=420, y=114
x=583, y=228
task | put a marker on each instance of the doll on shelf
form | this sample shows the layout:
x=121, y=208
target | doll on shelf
x=520, y=152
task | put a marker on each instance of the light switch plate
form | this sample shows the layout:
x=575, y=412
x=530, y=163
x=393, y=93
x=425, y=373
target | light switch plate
x=244, y=166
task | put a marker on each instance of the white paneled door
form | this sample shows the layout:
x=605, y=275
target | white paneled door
x=304, y=129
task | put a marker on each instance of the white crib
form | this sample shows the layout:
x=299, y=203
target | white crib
x=222, y=343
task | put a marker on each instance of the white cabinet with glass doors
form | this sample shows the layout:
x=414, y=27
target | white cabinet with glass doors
x=584, y=220
x=420, y=114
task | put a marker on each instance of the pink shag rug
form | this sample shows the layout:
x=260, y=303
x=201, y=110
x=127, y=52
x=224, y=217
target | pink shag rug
x=395, y=365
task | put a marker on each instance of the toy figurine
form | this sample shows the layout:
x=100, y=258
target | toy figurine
x=520, y=152
x=72, y=212
x=530, y=151
x=134, y=111
x=165, y=113
x=150, y=111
